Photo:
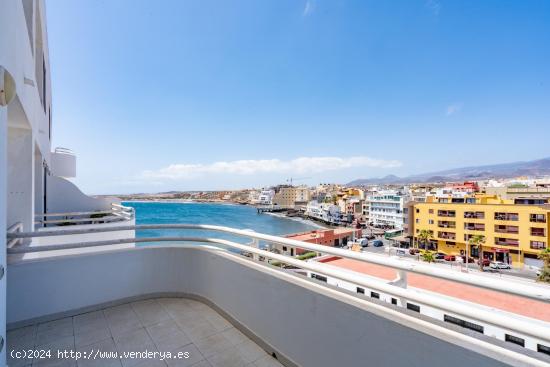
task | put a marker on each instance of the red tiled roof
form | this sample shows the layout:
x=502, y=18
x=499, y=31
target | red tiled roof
x=506, y=302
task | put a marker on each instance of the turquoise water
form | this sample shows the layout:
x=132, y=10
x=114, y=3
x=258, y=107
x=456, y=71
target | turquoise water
x=236, y=216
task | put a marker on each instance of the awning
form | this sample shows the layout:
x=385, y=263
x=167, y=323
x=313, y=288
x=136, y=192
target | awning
x=401, y=239
x=505, y=250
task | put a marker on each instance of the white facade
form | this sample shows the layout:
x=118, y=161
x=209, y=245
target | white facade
x=33, y=179
x=266, y=197
x=386, y=209
x=325, y=212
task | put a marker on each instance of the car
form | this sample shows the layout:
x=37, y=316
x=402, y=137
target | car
x=450, y=258
x=439, y=256
x=400, y=251
x=499, y=265
x=377, y=243
x=414, y=251
x=484, y=262
x=462, y=259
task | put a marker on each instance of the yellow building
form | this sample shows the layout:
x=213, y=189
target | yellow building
x=514, y=233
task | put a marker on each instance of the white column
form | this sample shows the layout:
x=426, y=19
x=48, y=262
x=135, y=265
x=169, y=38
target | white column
x=3, y=219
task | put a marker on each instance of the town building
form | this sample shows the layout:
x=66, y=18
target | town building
x=513, y=233
x=325, y=212
x=336, y=237
x=385, y=209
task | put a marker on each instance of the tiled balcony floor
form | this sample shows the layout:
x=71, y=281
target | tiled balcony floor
x=163, y=324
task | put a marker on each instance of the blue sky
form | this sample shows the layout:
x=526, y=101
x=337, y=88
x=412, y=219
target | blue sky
x=190, y=95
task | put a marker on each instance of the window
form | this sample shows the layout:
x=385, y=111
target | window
x=538, y=245
x=506, y=229
x=446, y=213
x=506, y=216
x=474, y=226
x=463, y=323
x=431, y=211
x=514, y=339
x=360, y=290
x=537, y=218
x=394, y=301
x=417, y=220
x=319, y=277
x=471, y=200
x=543, y=349
x=413, y=307
x=474, y=215
x=430, y=221
x=375, y=295
x=538, y=232
x=417, y=210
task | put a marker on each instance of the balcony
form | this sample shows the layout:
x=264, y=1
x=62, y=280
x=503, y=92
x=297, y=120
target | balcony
x=499, y=241
x=506, y=229
x=474, y=226
x=63, y=163
x=446, y=213
x=446, y=235
x=446, y=224
x=202, y=296
x=474, y=215
x=507, y=216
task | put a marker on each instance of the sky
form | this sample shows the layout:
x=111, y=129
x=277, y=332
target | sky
x=203, y=95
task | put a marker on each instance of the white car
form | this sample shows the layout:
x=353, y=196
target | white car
x=499, y=265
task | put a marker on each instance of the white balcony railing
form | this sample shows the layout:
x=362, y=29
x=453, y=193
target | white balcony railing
x=117, y=213
x=523, y=326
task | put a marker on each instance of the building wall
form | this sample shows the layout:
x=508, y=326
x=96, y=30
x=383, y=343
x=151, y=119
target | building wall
x=426, y=217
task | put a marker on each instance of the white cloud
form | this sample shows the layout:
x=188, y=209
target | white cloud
x=434, y=6
x=264, y=166
x=309, y=7
x=453, y=108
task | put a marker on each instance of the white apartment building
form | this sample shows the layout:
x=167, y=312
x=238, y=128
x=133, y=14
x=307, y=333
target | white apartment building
x=325, y=212
x=386, y=209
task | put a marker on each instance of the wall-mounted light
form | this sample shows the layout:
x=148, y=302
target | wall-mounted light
x=7, y=87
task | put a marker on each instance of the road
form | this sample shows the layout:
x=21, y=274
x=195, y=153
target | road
x=522, y=274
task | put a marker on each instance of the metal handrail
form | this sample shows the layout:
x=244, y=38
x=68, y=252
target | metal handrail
x=15, y=228
x=524, y=290
x=491, y=316
x=117, y=213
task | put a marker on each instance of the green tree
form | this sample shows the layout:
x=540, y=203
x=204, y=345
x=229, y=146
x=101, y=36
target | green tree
x=428, y=256
x=478, y=241
x=544, y=275
x=424, y=237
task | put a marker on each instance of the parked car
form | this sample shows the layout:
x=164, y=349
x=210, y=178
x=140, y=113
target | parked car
x=400, y=251
x=484, y=262
x=499, y=265
x=414, y=251
x=450, y=258
x=439, y=256
x=377, y=243
x=363, y=242
x=463, y=259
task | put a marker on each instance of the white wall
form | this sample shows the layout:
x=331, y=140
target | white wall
x=3, y=220
x=64, y=196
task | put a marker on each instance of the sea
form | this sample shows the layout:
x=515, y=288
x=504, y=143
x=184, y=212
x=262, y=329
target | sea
x=229, y=215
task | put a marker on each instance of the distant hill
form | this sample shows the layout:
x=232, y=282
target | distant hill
x=539, y=167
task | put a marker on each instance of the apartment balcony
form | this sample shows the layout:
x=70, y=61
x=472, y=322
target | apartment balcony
x=446, y=213
x=204, y=297
x=446, y=224
x=511, y=242
x=474, y=226
x=63, y=163
x=506, y=229
x=446, y=235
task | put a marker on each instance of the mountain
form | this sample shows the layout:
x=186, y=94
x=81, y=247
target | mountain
x=539, y=167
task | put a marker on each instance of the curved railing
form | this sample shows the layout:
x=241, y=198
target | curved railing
x=117, y=213
x=524, y=326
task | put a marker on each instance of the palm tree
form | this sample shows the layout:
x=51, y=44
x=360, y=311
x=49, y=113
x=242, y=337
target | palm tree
x=424, y=236
x=544, y=275
x=478, y=241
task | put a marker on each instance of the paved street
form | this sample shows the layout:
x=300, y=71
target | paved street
x=511, y=273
